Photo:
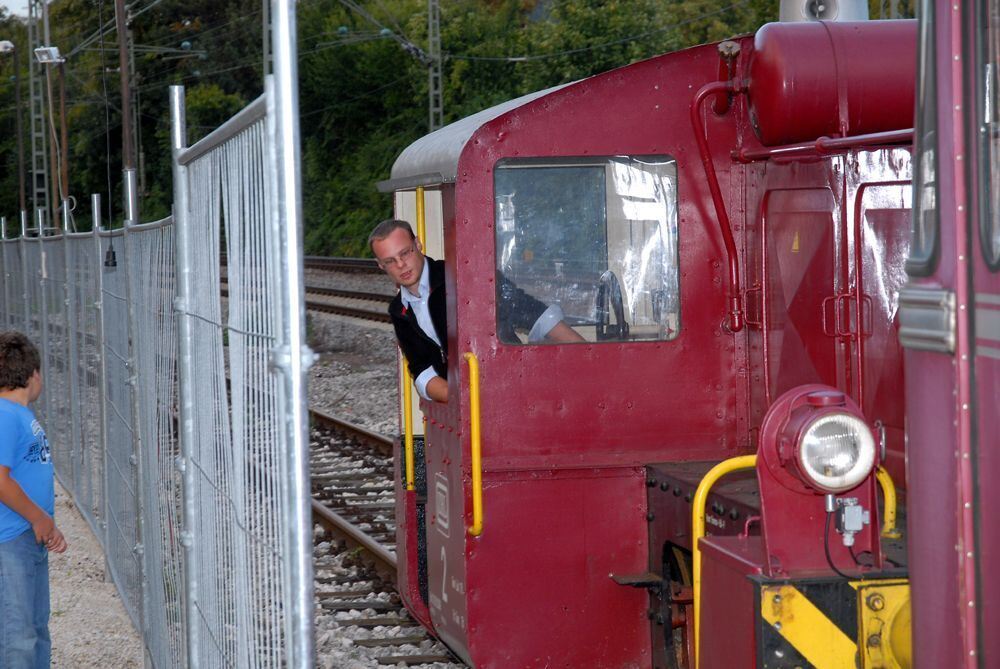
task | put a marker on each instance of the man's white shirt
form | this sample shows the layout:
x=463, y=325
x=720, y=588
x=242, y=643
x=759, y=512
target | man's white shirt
x=422, y=311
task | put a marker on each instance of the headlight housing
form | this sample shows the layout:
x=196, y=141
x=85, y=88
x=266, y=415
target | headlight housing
x=836, y=451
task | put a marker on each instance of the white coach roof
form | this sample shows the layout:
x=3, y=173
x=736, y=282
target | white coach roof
x=433, y=159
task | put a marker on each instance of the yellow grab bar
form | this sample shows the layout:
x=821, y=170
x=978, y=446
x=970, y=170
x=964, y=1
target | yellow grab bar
x=407, y=378
x=889, y=530
x=698, y=527
x=421, y=217
x=474, y=439
x=408, y=424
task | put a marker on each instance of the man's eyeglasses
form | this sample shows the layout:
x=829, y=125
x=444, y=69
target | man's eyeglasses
x=399, y=259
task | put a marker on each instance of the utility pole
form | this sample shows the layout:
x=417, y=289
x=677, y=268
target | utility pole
x=53, y=158
x=37, y=13
x=435, y=102
x=266, y=32
x=20, y=133
x=63, y=133
x=130, y=189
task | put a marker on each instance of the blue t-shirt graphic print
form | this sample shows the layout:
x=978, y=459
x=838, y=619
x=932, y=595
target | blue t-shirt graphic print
x=24, y=449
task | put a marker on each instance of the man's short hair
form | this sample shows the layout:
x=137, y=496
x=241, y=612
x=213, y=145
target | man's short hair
x=19, y=359
x=385, y=228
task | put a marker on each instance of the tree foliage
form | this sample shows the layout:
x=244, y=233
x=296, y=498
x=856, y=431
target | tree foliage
x=363, y=93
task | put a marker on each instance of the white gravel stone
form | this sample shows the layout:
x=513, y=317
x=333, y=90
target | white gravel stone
x=89, y=625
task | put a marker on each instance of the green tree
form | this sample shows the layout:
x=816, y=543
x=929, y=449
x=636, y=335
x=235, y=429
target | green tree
x=363, y=94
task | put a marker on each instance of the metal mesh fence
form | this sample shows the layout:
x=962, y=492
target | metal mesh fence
x=34, y=313
x=13, y=285
x=150, y=259
x=57, y=417
x=175, y=402
x=83, y=283
x=120, y=439
x=238, y=443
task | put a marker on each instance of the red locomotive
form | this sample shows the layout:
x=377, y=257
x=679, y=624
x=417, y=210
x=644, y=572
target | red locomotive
x=727, y=227
x=950, y=326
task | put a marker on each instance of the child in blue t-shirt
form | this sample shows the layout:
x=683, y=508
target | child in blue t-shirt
x=27, y=503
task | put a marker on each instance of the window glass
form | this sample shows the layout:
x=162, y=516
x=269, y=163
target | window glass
x=586, y=250
x=988, y=112
x=925, y=219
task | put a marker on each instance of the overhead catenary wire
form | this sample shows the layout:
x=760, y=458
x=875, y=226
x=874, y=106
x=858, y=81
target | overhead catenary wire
x=107, y=27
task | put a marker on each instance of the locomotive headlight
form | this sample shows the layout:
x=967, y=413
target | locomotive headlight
x=836, y=451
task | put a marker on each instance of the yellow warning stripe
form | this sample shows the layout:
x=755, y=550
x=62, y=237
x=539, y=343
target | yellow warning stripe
x=807, y=628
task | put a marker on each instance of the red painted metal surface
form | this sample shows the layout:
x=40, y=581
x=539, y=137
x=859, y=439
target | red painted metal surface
x=820, y=78
x=550, y=543
x=728, y=638
x=952, y=398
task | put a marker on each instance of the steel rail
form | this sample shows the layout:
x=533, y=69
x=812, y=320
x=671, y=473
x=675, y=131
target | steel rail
x=380, y=441
x=385, y=561
x=350, y=294
x=334, y=263
x=340, y=263
x=340, y=310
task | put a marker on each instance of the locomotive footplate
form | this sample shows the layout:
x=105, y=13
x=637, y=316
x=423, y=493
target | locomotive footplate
x=733, y=505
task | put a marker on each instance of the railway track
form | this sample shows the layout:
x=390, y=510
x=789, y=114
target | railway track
x=340, y=309
x=330, y=263
x=354, y=504
x=364, y=305
x=333, y=263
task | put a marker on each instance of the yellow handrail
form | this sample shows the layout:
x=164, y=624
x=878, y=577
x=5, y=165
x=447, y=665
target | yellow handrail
x=474, y=440
x=408, y=425
x=698, y=527
x=889, y=530
x=407, y=378
x=421, y=217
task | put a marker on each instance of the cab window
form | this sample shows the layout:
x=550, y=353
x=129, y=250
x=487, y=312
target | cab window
x=587, y=243
x=923, y=246
x=988, y=113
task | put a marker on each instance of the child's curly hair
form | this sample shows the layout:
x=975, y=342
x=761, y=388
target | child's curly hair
x=19, y=359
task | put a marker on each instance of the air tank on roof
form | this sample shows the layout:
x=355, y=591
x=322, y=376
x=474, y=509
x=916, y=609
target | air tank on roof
x=823, y=10
x=816, y=79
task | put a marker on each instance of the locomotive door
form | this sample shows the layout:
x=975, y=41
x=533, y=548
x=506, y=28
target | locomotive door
x=881, y=215
x=802, y=270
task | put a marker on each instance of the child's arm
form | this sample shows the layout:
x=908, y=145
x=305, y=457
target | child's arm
x=44, y=527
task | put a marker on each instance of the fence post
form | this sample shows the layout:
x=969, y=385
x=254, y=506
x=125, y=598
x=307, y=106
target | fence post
x=24, y=275
x=95, y=208
x=185, y=372
x=70, y=337
x=6, y=272
x=137, y=439
x=293, y=356
x=42, y=279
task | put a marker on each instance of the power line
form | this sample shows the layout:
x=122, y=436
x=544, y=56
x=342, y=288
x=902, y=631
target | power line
x=313, y=112
x=407, y=45
x=104, y=29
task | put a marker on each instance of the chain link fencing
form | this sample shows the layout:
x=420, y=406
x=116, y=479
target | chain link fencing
x=174, y=399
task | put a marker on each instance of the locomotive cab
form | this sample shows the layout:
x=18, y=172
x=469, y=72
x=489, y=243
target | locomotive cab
x=544, y=516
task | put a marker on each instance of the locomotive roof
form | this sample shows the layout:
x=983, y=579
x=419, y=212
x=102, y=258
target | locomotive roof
x=433, y=159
